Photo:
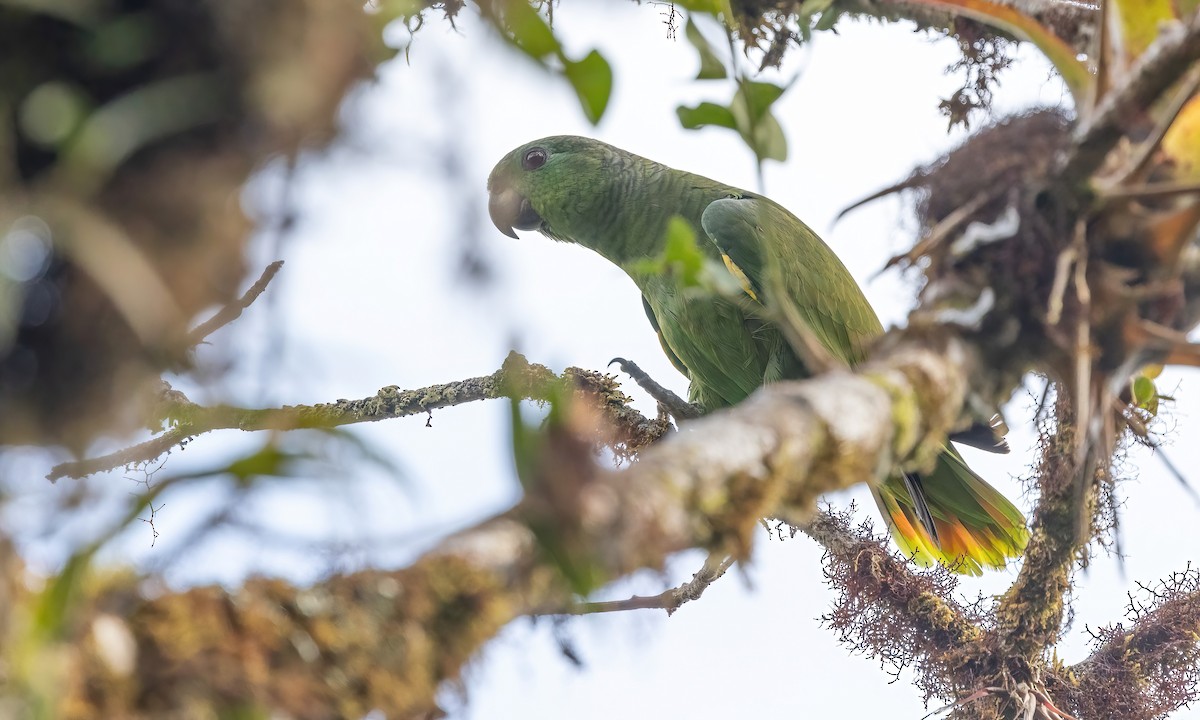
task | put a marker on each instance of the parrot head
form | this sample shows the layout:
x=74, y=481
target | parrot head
x=548, y=185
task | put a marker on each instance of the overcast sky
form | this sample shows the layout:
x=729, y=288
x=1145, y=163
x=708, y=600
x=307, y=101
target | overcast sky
x=374, y=294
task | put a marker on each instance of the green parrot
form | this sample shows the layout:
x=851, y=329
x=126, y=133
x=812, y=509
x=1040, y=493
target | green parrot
x=583, y=191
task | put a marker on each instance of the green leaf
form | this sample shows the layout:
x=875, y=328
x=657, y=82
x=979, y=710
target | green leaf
x=711, y=7
x=1145, y=394
x=758, y=97
x=592, y=79
x=525, y=445
x=60, y=594
x=1137, y=25
x=769, y=142
x=749, y=114
x=682, y=254
x=706, y=113
x=808, y=8
x=828, y=19
x=681, y=258
x=711, y=67
x=528, y=30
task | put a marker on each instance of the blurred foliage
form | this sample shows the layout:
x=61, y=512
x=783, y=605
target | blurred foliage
x=748, y=113
x=127, y=129
x=524, y=27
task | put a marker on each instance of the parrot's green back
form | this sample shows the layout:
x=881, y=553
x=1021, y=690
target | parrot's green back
x=619, y=204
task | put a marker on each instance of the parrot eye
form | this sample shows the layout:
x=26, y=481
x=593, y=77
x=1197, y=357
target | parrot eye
x=534, y=158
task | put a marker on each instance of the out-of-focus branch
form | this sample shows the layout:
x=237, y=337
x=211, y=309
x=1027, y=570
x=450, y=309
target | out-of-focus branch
x=517, y=378
x=234, y=310
x=1160, y=67
x=670, y=600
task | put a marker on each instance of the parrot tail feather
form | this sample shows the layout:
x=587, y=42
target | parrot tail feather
x=953, y=517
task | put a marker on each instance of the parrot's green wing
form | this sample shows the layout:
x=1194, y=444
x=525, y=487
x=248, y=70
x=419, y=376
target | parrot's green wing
x=782, y=260
x=949, y=515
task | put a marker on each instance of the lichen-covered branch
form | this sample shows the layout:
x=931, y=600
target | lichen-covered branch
x=517, y=378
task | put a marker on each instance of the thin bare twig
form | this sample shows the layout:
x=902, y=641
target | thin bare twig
x=1152, y=190
x=669, y=600
x=234, y=310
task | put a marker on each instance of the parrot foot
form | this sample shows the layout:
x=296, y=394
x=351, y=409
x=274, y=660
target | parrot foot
x=679, y=408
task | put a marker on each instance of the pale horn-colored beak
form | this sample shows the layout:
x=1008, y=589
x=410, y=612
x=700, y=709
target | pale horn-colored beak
x=509, y=210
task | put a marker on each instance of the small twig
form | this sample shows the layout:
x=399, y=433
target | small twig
x=679, y=408
x=234, y=310
x=1175, y=472
x=1152, y=190
x=1058, y=289
x=669, y=600
x=945, y=227
x=915, y=181
x=963, y=702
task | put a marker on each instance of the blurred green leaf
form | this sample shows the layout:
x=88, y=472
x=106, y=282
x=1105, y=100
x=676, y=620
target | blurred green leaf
x=749, y=113
x=1145, y=394
x=828, y=19
x=1137, y=25
x=706, y=113
x=769, y=142
x=751, y=108
x=809, y=8
x=711, y=67
x=268, y=460
x=528, y=30
x=54, y=605
x=592, y=79
x=524, y=444
x=681, y=258
x=711, y=7
x=758, y=97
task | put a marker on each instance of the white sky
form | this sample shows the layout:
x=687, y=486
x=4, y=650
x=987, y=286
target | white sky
x=372, y=295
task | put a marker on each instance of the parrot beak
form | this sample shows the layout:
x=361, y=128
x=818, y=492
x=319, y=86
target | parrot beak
x=509, y=210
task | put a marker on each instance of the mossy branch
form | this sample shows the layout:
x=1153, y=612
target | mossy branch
x=1030, y=613
x=885, y=609
x=1150, y=669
